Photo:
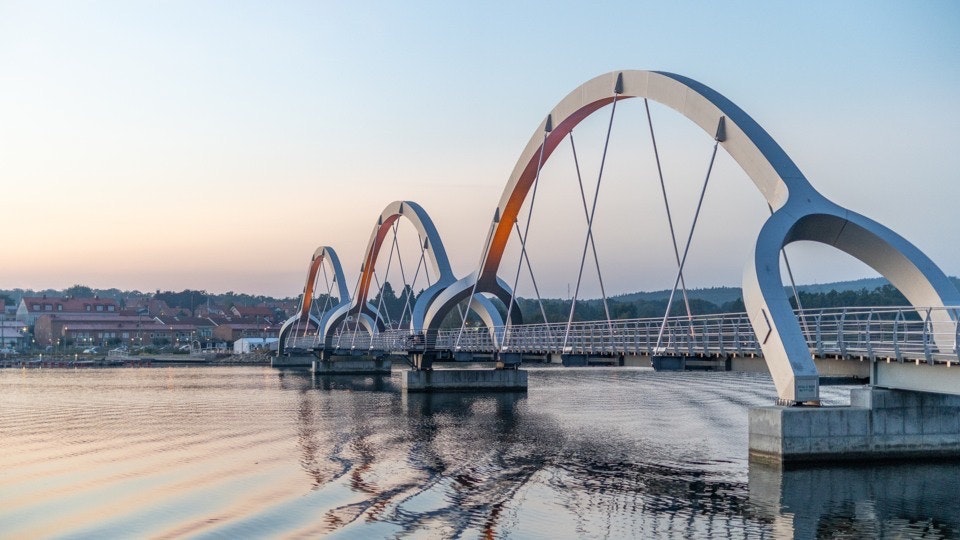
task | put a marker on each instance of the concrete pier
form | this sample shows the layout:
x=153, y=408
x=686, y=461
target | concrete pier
x=464, y=380
x=293, y=361
x=348, y=365
x=878, y=424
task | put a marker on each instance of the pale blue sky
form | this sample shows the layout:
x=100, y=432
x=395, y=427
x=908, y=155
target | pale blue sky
x=214, y=145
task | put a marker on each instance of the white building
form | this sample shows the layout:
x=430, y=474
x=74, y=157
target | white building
x=252, y=344
x=13, y=335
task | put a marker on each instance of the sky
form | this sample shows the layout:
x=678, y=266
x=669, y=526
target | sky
x=214, y=145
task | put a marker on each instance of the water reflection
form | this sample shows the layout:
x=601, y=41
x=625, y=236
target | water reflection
x=474, y=453
x=880, y=500
x=255, y=452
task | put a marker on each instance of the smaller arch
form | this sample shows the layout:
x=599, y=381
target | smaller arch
x=892, y=256
x=304, y=315
x=452, y=295
x=435, y=256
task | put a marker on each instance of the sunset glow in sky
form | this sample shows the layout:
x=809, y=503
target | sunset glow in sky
x=215, y=145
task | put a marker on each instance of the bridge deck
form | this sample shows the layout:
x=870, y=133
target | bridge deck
x=883, y=334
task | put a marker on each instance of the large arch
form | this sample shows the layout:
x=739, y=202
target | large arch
x=304, y=315
x=800, y=212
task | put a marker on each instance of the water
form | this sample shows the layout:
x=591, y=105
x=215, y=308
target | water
x=586, y=453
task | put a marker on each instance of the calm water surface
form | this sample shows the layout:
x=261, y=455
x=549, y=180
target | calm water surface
x=586, y=453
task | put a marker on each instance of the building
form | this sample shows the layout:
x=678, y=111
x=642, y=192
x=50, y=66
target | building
x=262, y=313
x=14, y=335
x=32, y=307
x=81, y=330
x=231, y=331
x=249, y=345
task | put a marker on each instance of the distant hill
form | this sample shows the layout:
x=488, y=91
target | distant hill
x=714, y=295
x=721, y=295
x=840, y=286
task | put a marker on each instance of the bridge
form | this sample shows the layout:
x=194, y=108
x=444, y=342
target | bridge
x=478, y=315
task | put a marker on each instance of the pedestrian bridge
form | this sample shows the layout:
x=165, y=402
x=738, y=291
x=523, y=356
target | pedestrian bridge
x=889, y=338
x=912, y=347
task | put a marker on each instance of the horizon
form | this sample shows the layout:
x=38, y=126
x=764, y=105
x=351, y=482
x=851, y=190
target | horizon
x=194, y=146
x=846, y=283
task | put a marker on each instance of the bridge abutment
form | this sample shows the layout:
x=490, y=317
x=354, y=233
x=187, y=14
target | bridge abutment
x=878, y=424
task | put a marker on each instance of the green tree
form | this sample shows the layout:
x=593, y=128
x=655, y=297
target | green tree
x=79, y=291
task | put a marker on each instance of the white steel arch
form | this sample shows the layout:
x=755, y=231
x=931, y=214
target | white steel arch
x=435, y=255
x=800, y=213
x=304, y=313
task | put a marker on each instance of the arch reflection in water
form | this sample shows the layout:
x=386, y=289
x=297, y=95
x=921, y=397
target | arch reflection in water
x=250, y=451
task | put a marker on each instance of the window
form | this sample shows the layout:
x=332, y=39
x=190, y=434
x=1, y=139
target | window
x=100, y=307
x=110, y=308
x=35, y=307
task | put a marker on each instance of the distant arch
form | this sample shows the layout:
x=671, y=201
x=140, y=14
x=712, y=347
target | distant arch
x=304, y=316
x=435, y=255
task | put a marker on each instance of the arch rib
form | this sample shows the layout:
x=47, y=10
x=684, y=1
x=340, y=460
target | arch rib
x=800, y=212
x=435, y=255
x=303, y=315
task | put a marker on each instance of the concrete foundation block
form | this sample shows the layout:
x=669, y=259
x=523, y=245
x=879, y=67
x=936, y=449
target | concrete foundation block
x=292, y=361
x=464, y=380
x=351, y=365
x=897, y=425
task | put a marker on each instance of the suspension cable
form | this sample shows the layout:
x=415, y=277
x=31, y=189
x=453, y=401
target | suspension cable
x=533, y=279
x=696, y=216
x=386, y=277
x=496, y=219
x=526, y=230
x=403, y=274
x=380, y=304
x=409, y=292
x=666, y=204
x=587, y=216
x=326, y=281
x=473, y=289
x=586, y=241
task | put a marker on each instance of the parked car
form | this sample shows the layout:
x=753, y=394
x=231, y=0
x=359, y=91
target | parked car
x=91, y=350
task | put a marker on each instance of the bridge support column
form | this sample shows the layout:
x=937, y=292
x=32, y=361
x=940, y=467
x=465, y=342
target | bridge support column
x=351, y=365
x=878, y=424
x=293, y=361
x=464, y=380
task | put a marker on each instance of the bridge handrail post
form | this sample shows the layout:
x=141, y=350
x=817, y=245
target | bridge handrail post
x=646, y=337
x=841, y=331
x=691, y=339
x=869, y=336
x=956, y=332
x=706, y=336
x=736, y=336
x=927, y=330
x=818, y=329
x=896, y=336
x=673, y=339
x=720, y=329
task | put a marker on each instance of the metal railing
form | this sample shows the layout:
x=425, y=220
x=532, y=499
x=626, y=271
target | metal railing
x=896, y=333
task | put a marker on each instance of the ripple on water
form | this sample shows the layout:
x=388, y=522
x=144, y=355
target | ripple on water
x=250, y=451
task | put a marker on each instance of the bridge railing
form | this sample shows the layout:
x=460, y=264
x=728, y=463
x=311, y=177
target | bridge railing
x=900, y=333
x=895, y=333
